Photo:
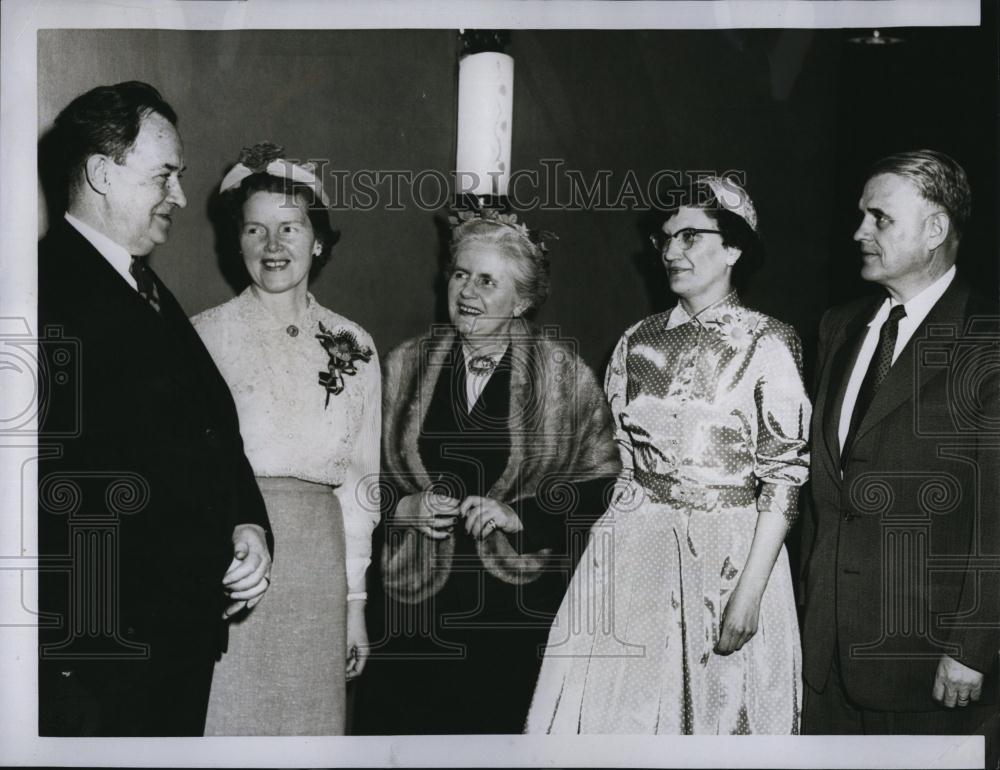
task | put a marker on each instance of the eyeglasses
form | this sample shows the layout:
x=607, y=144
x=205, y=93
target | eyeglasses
x=687, y=237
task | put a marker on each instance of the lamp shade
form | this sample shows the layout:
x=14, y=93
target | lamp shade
x=485, y=108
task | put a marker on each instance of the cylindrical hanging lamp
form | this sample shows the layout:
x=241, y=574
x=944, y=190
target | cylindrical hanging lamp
x=485, y=112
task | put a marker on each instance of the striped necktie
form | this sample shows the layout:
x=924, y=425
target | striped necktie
x=144, y=282
x=878, y=370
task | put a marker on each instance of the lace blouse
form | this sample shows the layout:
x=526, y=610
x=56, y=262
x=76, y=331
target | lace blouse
x=290, y=425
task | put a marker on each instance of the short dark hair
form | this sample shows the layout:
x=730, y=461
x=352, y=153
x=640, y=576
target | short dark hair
x=734, y=231
x=106, y=121
x=939, y=177
x=319, y=215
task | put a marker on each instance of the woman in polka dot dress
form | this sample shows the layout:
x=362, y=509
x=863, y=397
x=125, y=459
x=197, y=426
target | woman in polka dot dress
x=680, y=618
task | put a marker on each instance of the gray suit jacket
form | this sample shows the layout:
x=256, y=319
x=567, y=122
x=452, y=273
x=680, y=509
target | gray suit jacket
x=902, y=550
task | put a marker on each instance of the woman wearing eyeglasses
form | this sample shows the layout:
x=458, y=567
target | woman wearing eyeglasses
x=680, y=618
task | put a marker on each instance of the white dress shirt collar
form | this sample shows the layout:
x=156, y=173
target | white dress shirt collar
x=917, y=307
x=116, y=254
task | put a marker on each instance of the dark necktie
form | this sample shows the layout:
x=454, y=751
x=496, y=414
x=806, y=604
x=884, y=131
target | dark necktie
x=878, y=370
x=144, y=282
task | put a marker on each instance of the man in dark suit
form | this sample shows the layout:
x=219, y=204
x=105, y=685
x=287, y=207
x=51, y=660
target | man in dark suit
x=902, y=547
x=151, y=528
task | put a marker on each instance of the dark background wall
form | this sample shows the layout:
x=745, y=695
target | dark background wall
x=802, y=113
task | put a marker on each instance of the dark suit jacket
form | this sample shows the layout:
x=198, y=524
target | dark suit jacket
x=142, y=498
x=891, y=545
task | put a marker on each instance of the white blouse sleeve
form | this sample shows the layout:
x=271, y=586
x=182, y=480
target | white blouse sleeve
x=359, y=493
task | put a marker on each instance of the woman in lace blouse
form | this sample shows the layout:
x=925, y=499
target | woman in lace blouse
x=307, y=388
x=681, y=617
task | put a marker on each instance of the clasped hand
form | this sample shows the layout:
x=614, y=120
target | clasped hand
x=247, y=577
x=435, y=515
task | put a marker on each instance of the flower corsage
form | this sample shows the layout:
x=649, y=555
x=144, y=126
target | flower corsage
x=736, y=331
x=343, y=348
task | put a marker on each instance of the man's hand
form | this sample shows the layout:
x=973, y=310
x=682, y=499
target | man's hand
x=955, y=684
x=247, y=578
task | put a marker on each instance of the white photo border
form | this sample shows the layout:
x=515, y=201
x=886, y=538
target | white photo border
x=19, y=744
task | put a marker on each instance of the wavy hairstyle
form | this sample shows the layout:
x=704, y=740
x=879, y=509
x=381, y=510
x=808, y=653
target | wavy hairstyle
x=532, y=272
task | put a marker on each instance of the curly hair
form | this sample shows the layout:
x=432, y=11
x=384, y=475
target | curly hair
x=531, y=271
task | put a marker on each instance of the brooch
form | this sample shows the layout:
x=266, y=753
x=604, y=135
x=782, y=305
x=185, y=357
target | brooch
x=481, y=365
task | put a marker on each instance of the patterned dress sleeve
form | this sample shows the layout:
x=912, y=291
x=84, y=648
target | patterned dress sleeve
x=359, y=493
x=615, y=385
x=781, y=429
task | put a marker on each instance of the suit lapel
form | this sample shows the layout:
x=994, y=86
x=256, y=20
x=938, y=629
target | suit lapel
x=96, y=284
x=135, y=327
x=846, y=346
x=899, y=384
x=185, y=344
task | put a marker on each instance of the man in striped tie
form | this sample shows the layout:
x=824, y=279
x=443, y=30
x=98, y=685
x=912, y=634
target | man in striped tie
x=166, y=532
x=902, y=544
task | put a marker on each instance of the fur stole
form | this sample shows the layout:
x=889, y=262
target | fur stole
x=560, y=429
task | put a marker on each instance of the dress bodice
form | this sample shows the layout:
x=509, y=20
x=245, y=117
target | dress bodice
x=711, y=406
x=288, y=427
x=291, y=426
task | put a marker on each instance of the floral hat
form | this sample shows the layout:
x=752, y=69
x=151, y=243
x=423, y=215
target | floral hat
x=536, y=238
x=266, y=158
x=732, y=197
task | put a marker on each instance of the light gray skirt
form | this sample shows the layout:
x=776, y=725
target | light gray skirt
x=284, y=671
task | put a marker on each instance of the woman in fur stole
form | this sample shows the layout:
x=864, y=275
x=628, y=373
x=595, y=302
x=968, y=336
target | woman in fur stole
x=498, y=455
